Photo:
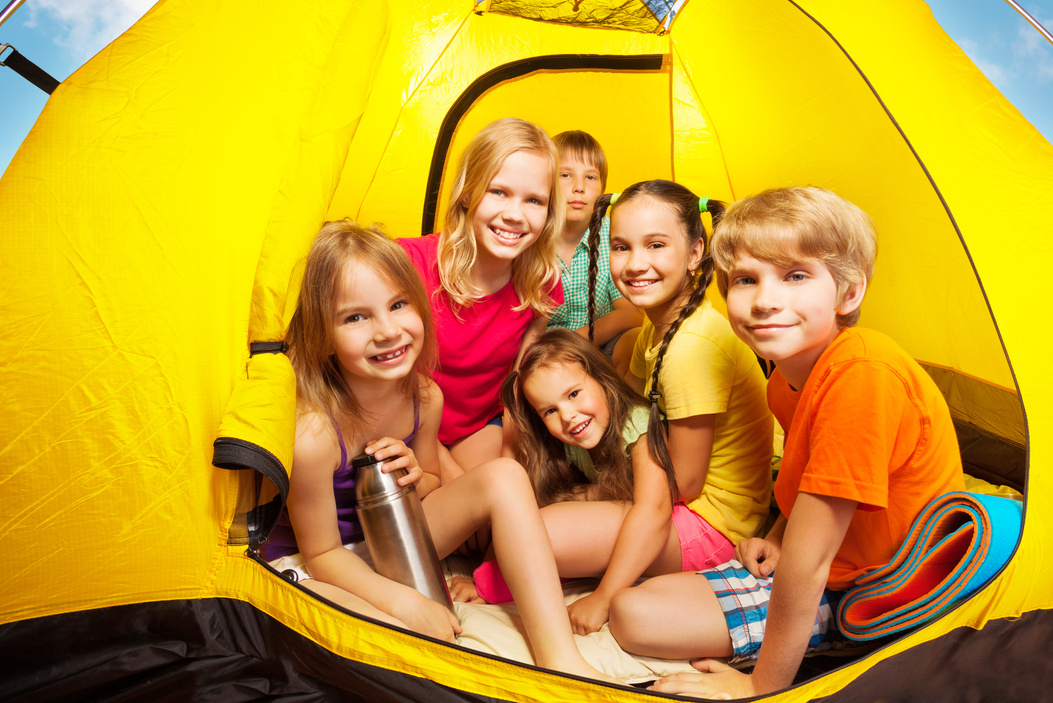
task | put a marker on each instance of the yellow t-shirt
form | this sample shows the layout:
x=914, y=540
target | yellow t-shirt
x=707, y=370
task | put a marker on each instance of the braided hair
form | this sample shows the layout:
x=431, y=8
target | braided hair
x=687, y=208
x=600, y=211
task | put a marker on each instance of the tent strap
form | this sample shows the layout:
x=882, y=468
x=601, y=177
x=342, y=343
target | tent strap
x=278, y=347
x=27, y=69
x=239, y=454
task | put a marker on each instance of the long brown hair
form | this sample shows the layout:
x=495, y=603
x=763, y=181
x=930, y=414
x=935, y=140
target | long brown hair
x=687, y=208
x=544, y=457
x=320, y=387
x=534, y=271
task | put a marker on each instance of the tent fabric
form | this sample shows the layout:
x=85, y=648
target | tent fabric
x=157, y=216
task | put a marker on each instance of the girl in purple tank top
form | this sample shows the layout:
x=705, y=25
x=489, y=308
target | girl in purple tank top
x=362, y=345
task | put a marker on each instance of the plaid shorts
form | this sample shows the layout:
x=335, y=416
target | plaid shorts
x=744, y=600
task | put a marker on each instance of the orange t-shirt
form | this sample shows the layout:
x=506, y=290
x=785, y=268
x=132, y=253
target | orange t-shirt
x=870, y=426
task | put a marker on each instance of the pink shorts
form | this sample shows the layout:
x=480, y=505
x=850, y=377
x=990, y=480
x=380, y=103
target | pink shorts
x=702, y=546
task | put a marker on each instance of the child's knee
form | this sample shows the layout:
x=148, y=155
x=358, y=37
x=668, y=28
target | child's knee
x=502, y=476
x=628, y=617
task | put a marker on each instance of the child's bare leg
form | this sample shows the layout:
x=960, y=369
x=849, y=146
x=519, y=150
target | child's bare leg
x=584, y=535
x=675, y=616
x=349, y=601
x=499, y=491
x=478, y=447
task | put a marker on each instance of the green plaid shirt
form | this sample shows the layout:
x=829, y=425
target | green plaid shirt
x=574, y=312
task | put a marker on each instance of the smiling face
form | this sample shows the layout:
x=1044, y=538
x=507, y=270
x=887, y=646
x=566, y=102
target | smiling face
x=378, y=334
x=512, y=212
x=570, y=403
x=787, y=314
x=581, y=184
x=651, y=258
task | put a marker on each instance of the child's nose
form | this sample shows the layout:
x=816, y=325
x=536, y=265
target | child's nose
x=636, y=260
x=385, y=328
x=513, y=211
x=764, y=297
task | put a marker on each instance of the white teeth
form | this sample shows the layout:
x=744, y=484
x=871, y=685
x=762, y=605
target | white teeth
x=580, y=428
x=391, y=355
x=508, y=235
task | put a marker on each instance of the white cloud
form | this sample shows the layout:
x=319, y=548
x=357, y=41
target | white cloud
x=86, y=26
x=1032, y=52
x=994, y=72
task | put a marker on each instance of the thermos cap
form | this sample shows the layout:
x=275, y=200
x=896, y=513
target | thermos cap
x=373, y=486
x=363, y=460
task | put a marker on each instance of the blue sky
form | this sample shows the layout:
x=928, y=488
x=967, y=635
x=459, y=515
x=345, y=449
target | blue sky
x=60, y=35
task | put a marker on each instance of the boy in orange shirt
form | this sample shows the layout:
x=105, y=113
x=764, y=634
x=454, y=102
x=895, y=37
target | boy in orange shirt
x=869, y=443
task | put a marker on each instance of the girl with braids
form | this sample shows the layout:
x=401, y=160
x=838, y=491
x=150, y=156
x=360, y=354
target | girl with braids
x=709, y=423
x=606, y=503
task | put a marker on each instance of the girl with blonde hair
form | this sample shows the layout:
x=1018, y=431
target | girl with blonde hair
x=492, y=277
x=361, y=343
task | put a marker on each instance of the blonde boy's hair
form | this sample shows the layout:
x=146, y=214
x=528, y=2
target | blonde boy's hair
x=535, y=271
x=320, y=386
x=784, y=225
x=583, y=147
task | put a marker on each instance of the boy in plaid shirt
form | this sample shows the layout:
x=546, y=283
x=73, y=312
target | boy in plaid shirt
x=583, y=177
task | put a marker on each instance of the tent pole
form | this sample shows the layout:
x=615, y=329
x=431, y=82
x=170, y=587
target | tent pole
x=10, y=10
x=1032, y=21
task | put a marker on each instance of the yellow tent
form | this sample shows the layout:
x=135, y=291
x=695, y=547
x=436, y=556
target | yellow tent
x=154, y=226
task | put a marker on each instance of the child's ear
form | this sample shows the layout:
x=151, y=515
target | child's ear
x=852, y=298
x=694, y=256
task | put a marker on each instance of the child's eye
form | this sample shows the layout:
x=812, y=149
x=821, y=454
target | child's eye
x=354, y=318
x=573, y=394
x=619, y=247
x=497, y=191
x=536, y=201
x=592, y=177
x=797, y=276
x=564, y=174
x=655, y=245
x=400, y=304
x=546, y=412
x=742, y=281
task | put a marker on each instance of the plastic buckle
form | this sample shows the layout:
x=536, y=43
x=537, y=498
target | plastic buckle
x=3, y=48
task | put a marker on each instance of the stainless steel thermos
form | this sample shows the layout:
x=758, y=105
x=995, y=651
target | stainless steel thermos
x=396, y=531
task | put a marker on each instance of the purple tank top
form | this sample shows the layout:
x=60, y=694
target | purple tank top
x=282, y=541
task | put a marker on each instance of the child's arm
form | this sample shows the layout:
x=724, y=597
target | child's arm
x=312, y=510
x=813, y=535
x=643, y=535
x=760, y=556
x=425, y=444
x=623, y=316
x=535, y=330
x=690, y=447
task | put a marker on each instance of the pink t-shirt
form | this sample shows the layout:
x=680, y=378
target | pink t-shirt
x=477, y=347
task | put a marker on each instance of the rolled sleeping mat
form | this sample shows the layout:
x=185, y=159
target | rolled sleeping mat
x=955, y=546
